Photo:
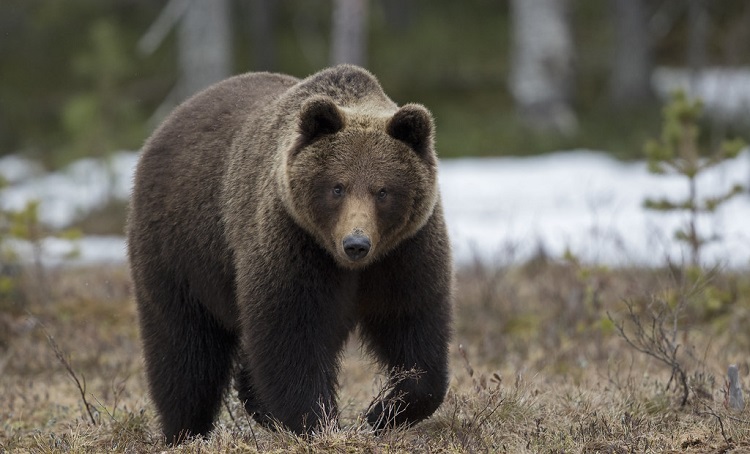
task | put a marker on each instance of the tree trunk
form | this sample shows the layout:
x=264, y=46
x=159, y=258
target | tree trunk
x=735, y=401
x=204, y=45
x=542, y=72
x=630, y=82
x=264, y=42
x=698, y=24
x=349, y=37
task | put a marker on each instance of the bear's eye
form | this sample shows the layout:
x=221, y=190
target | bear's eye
x=382, y=193
x=338, y=190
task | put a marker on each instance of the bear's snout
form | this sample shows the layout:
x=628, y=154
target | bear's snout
x=356, y=246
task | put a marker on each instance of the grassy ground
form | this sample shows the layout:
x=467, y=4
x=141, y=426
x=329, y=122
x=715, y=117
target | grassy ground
x=537, y=366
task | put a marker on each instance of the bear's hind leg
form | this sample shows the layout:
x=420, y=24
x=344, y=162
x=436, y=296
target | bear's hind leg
x=189, y=362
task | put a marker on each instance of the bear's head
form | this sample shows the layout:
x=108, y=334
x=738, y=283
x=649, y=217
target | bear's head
x=360, y=180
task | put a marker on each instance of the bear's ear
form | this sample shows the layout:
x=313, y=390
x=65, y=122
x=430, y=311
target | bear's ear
x=413, y=125
x=319, y=117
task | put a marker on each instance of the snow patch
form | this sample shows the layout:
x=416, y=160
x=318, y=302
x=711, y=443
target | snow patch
x=725, y=92
x=499, y=210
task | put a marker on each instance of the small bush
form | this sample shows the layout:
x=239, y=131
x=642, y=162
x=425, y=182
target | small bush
x=24, y=278
x=678, y=152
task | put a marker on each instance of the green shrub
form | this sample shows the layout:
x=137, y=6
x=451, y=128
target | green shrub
x=22, y=280
x=678, y=152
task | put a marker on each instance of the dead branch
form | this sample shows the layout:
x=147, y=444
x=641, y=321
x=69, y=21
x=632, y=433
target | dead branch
x=80, y=384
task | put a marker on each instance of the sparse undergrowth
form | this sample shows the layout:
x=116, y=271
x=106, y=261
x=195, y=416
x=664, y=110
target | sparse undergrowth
x=537, y=366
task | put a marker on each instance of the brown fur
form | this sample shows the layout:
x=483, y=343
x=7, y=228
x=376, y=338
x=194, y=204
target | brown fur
x=243, y=203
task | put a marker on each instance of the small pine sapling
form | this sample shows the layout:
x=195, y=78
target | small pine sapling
x=7, y=255
x=677, y=152
x=19, y=226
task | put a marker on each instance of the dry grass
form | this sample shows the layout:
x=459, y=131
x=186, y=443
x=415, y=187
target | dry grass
x=537, y=366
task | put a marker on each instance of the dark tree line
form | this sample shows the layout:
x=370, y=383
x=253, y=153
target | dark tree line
x=88, y=74
x=544, y=54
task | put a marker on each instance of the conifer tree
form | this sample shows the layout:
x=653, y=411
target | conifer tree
x=678, y=152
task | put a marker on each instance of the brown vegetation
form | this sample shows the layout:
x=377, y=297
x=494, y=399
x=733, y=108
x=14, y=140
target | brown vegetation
x=540, y=363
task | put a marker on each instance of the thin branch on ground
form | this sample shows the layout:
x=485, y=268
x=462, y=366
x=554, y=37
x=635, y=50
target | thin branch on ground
x=710, y=412
x=80, y=384
x=229, y=411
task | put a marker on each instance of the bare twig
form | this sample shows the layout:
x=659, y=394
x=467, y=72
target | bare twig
x=467, y=365
x=248, y=419
x=655, y=334
x=710, y=412
x=231, y=415
x=655, y=341
x=117, y=390
x=80, y=384
x=392, y=405
x=255, y=439
x=739, y=420
x=495, y=400
x=613, y=376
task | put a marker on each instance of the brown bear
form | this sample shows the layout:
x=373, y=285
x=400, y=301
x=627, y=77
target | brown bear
x=272, y=216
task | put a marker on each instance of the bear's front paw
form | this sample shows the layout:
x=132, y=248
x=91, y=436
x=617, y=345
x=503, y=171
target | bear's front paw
x=386, y=416
x=266, y=421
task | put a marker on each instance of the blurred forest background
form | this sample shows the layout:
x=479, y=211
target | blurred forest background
x=503, y=77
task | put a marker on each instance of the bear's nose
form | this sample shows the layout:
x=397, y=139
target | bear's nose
x=356, y=246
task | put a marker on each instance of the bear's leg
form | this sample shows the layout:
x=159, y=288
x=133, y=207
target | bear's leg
x=249, y=398
x=296, y=322
x=404, y=343
x=405, y=317
x=188, y=362
x=294, y=362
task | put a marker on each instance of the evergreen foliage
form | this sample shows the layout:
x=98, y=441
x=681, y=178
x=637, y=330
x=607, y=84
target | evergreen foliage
x=678, y=152
x=23, y=280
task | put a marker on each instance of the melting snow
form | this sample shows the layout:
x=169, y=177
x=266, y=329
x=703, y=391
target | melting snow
x=500, y=209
